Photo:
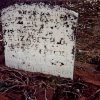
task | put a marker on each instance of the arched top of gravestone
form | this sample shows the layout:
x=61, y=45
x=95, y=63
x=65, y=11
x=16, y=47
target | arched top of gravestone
x=43, y=5
x=52, y=3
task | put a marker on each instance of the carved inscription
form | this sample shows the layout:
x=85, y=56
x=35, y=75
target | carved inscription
x=39, y=39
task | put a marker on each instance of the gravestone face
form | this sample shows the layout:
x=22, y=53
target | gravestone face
x=40, y=38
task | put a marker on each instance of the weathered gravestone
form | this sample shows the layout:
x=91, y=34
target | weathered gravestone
x=40, y=38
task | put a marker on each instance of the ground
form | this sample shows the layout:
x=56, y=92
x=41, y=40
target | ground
x=21, y=85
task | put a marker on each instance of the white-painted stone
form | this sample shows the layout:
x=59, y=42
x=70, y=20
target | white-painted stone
x=40, y=38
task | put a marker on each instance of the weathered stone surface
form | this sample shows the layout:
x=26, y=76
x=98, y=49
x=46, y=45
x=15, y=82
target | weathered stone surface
x=40, y=38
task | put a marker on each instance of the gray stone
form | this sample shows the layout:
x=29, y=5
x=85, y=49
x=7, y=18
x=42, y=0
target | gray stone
x=40, y=38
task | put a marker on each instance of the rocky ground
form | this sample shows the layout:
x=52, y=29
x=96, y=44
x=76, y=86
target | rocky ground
x=21, y=85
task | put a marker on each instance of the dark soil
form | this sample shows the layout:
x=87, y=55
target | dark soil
x=21, y=85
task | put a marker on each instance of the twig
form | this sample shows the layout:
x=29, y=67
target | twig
x=34, y=92
x=72, y=92
x=27, y=97
x=13, y=81
x=62, y=85
x=11, y=70
x=93, y=96
x=27, y=80
x=9, y=88
x=34, y=95
x=19, y=78
x=46, y=94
